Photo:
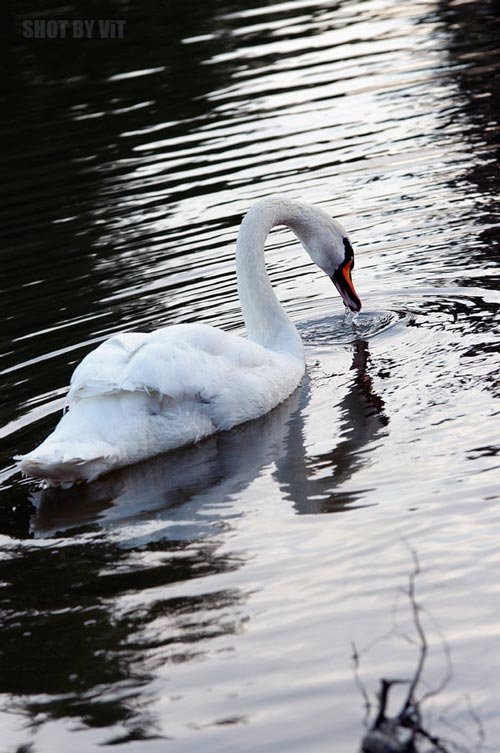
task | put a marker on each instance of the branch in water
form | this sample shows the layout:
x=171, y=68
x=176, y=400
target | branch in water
x=361, y=686
x=406, y=732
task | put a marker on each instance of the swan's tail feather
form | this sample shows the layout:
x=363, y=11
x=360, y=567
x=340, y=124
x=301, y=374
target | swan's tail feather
x=62, y=465
x=101, y=433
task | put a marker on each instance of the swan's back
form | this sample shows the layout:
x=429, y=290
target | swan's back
x=138, y=395
x=170, y=360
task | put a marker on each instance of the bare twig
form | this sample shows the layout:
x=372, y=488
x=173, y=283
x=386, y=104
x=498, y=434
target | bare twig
x=406, y=732
x=360, y=684
x=410, y=699
x=383, y=698
x=481, y=734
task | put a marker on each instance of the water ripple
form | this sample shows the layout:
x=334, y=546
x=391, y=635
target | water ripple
x=211, y=595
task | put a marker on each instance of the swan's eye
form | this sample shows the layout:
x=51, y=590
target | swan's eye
x=349, y=253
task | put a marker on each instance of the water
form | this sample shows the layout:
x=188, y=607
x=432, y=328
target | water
x=207, y=600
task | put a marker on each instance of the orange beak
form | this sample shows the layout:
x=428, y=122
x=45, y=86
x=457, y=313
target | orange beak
x=342, y=280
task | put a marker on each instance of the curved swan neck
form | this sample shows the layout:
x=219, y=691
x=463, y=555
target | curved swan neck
x=265, y=318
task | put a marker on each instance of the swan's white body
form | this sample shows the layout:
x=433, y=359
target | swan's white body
x=138, y=395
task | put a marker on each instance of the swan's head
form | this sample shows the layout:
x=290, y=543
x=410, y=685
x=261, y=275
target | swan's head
x=342, y=278
x=329, y=247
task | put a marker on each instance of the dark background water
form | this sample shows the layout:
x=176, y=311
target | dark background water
x=207, y=600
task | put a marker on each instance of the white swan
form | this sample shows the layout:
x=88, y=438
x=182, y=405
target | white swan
x=138, y=395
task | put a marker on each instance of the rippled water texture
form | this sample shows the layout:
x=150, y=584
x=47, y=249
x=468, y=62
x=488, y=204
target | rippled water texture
x=207, y=600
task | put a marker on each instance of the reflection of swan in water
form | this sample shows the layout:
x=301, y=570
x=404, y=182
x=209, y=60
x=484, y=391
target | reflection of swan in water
x=177, y=488
x=187, y=491
x=362, y=419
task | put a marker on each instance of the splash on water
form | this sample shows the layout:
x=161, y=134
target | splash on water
x=350, y=318
x=332, y=330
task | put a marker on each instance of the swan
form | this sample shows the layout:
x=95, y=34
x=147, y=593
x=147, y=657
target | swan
x=138, y=395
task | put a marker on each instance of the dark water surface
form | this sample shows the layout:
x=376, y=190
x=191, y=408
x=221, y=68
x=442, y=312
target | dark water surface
x=207, y=600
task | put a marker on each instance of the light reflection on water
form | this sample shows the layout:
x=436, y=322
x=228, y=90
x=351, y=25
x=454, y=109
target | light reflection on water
x=209, y=597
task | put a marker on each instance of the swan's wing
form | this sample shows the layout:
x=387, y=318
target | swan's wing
x=225, y=376
x=101, y=370
x=163, y=360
